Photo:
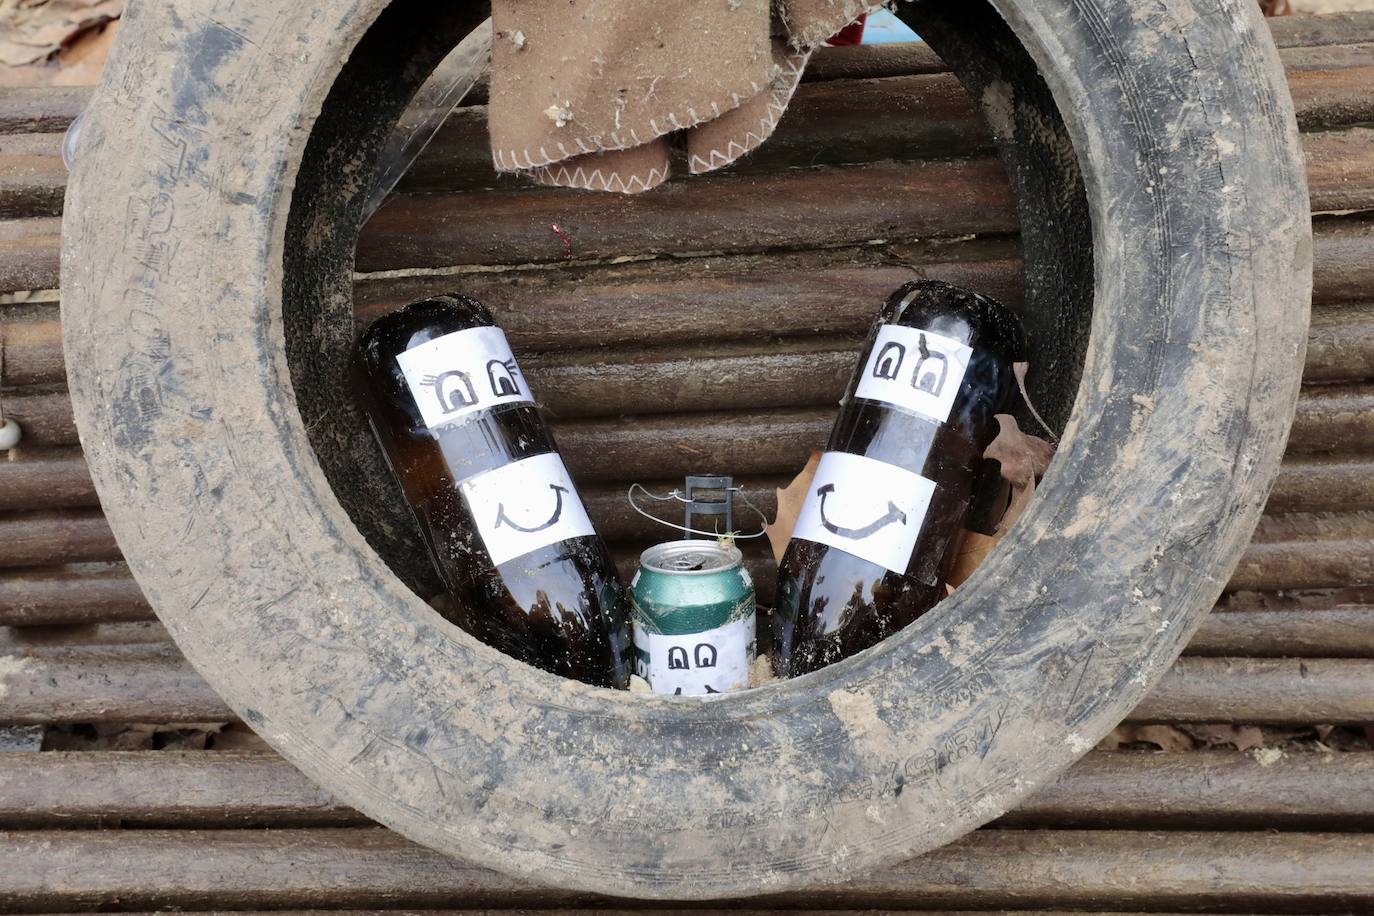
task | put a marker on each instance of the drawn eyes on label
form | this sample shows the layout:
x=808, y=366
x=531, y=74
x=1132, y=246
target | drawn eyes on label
x=705, y=656
x=929, y=375
x=889, y=361
x=501, y=375
x=453, y=390
x=932, y=369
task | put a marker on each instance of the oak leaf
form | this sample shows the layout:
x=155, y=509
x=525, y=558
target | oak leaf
x=790, y=499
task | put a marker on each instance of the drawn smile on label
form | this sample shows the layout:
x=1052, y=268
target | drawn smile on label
x=502, y=517
x=893, y=515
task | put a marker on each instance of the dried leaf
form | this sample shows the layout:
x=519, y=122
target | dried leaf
x=1164, y=737
x=236, y=737
x=31, y=34
x=1024, y=457
x=82, y=61
x=1241, y=737
x=976, y=547
x=790, y=500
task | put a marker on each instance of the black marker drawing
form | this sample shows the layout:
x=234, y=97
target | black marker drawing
x=709, y=689
x=854, y=534
x=705, y=655
x=677, y=660
x=453, y=390
x=889, y=361
x=501, y=515
x=930, y=374
x=502, y=378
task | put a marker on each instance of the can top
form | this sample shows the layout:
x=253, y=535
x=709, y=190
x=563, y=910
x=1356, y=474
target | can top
x=690, y=558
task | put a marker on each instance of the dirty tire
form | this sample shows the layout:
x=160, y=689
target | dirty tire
x=173, y=276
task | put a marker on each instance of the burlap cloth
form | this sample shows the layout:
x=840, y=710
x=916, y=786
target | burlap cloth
x=585, y=93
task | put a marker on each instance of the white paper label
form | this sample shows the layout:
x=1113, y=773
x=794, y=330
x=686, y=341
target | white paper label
x=918, y=370
x=866, y=508
x=461, y=373
x=697, y=664
x=526, y=505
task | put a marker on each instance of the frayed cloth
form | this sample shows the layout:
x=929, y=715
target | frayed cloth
x=591, y=93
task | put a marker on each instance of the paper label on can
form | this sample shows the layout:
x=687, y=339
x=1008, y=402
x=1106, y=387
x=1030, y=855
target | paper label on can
x=918, y=370
x=525, y=505
x=454, y=376
x=865, y=507
x=697, y=664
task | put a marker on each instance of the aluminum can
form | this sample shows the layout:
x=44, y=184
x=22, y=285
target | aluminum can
x=693, y=616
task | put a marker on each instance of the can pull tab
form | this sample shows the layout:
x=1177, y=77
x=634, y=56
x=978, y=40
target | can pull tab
x=708, y=501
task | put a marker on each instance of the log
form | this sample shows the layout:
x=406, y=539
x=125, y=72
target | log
x=1340, y=169
x=906, y=117
x=918, y=113
x=1321, y=484
x=1327, y=551
x=872, y=62
x=1322, y=31
x=1127, y=789
x=1336, y=624
x=1295, y=550
x=882, y=200
x=1340, y=343
x=33, y=179
x=52, y=108
x=70, y=595
x=700, y=301
x=1325, y=86
x=82, y=687
x=57, y=536
x=726, y=313
x=144, y=638
x=46, y=478
x=1207, y=790
x=29, y=250
x=44, y=414
x=370, y=867
x=743, y=211
x=1263, y=691
x=58, y=478
x=33, y=109
x=1341, y=268
x=1329, y=418
x=827, y=206
x=75, y=688
x=31, y=339
x=163, y=789
x=1333, y=418
x=856, y=105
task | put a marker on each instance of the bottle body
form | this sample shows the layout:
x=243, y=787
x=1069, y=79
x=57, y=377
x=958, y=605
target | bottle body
x=886, y=511
x=504, y=524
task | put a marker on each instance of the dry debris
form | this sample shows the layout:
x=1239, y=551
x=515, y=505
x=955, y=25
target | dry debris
x=55, y=42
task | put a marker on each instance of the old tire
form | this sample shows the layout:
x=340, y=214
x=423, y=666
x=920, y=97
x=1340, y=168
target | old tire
x=173, y=279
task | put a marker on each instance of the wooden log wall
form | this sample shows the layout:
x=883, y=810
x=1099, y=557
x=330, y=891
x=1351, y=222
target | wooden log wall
x=713, y=325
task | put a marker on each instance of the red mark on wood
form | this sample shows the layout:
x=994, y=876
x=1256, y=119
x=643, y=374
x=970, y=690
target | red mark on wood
x=563, y=237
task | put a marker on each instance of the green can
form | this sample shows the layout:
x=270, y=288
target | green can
x=693, y=613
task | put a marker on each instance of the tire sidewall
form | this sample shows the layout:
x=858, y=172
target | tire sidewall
x=172, y=303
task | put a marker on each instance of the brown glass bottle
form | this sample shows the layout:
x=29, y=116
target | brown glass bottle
x=525, y=571
x=886, y=512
